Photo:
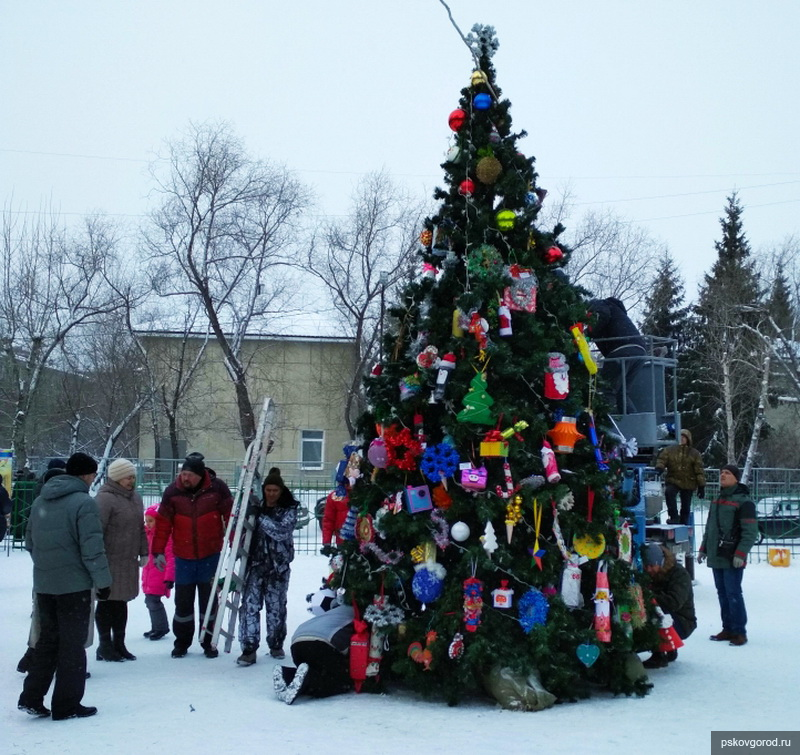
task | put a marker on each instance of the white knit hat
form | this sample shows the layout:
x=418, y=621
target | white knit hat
x=120, y=469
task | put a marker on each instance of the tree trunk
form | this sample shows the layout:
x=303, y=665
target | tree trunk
x=758, y=422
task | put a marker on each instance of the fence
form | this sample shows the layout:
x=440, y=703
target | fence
x=310, y=490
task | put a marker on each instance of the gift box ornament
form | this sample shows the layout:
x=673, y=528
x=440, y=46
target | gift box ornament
x=521, y=294
x=474, y=478
x=494, y=445
x=418, y=499
x=502, y=596
x=556, y=376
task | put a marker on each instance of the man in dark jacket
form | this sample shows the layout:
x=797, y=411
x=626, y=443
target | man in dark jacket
x=671, y=586
x=65, y=539
x=194, y=510
x=685, y=474
x=732, y=518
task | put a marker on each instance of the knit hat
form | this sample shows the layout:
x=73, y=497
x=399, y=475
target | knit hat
x=80, y=464
x=273, y=478
x=56, y=464
x=734, y=470
x=194, y=463
x=652, y=554
x=152, y=510
x=120, y=469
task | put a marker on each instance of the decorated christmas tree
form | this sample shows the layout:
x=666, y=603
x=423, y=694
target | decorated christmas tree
x=489, y=536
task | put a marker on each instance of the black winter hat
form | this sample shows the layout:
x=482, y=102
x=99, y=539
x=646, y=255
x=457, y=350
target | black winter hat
x=56, y=464
x=80, y=464
x=273, y=478
x=734, y=470
x=653, y=554
x=194, y=463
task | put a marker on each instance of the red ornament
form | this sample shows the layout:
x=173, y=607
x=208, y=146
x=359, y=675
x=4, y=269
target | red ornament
x=402, y=449
x=553, y=254
x=564, y=435
x=457, y=119
x=359, y=650
x=467, y=187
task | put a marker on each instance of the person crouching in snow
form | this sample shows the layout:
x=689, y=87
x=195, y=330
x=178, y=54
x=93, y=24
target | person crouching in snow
x=320, y=649
x=671, y=586
x=266, y=580
x=156, y=584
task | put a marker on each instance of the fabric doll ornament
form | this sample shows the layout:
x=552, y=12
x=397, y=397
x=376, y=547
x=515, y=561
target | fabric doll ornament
x=556, y=376
x=571, y=584
x=602, y=605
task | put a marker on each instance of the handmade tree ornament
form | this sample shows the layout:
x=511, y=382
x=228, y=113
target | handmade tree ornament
x=458, y=327
x=556, y=377
x=474, y=478
x=376, y=453
x=537, y=552
x=598, y=456
x=583, y=348
x=479, y=327
x=502, y=596
x=494, y=445
x=409, y=387
x=521, y=294
x=533, y=609
x=446, y=365
x=457, y=119
x=420, y=654
x=402, y=449
x=418, y=498
x=509, y=483
x=473, y=603
x=549, y=461
x=477, y=403
x=456, y=649
x=359, y=650
x=513, y=516
x=439, y=462
x=426, y=237
x=564, y=435
x=441, y=498
x=602, y=604
x=591, y=546
x=489, y=539
x=571, y=584
x=428, y=581
x=625, y=542
x=504, y=321
x=587, y=653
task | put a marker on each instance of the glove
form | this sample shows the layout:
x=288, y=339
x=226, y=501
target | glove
x=327, y=550
x=737, y=562
x=254, y=509
x=169, y=583
x=701, y=556
x=142, y=562
x=701, y=492
x=160, y=561
x=103, y=592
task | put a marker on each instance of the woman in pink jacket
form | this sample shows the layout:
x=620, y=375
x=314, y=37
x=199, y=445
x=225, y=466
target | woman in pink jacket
x=156, y=584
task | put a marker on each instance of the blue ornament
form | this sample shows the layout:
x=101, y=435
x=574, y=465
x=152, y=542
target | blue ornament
x=428, y=582
x=533, y=608
x=482, y=101
x=439, y=461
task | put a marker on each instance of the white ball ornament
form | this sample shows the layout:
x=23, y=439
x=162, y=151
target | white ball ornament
x=459, y=532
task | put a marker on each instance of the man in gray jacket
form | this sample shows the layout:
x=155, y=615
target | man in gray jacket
x=65, y=539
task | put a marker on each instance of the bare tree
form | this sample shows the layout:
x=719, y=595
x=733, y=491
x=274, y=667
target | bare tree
x=225, y=227
x=358, y=259
x=610, y=255
x=54, y=282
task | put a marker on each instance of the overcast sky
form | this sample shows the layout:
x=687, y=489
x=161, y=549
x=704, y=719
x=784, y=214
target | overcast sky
x=657, y=110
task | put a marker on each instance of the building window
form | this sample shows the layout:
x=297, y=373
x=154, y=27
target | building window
x=311, y=449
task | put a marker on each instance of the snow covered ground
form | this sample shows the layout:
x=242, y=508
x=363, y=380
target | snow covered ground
x=158, y=705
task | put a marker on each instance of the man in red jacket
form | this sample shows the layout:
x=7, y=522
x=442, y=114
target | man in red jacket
x=194, y=510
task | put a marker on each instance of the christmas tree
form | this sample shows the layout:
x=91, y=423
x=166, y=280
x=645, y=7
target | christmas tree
x=489, y=534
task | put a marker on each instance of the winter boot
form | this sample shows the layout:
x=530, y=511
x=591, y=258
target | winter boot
x=277, y=653
x=671, y=655
x=25, y=662
x=159, y=635
x=738, y=640
x=721, y=636
x=106, y=651
x=209, y=650
x=656, y=660
x=119, y=646
x=247, y=658
x=294, y=687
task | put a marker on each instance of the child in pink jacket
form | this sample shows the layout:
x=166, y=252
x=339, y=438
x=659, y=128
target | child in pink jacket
x=156, y=584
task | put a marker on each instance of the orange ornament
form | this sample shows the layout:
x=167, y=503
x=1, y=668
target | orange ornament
x=565, y=435
x=441, y=497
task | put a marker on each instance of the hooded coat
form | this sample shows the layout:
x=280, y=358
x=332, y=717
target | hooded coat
x=273, y=536
x=732, y=513
x=196, y=518
x=65, y=539
x=672, y=588
x=124, y=537
x=153, y=580
x=684, y=465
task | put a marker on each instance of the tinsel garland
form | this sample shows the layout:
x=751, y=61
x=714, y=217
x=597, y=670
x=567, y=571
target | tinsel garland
x=402, y=449
x=441, y=533
x=533, y=609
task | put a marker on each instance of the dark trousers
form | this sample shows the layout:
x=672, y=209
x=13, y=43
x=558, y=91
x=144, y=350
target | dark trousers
x=59, y=652
x=193, y=576
x=731, y=601
x=328, y=669
x=111, y=616
x=671, y=493
x=158, y=614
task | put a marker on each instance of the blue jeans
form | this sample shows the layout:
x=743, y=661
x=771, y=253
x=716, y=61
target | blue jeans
x=731, y=601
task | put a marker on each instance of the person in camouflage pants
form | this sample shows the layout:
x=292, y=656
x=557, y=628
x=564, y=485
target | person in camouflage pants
x=266, y=580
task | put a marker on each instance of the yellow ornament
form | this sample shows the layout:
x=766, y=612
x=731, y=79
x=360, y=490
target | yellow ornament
x=589, y=546
x=478, y=78
x=506, y=219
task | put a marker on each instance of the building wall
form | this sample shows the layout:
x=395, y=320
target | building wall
x=305, y=377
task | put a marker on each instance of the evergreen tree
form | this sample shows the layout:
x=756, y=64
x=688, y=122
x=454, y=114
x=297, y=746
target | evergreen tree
x=664, y=315
x=462, y=495
x=724, y=359
x=780, y=305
